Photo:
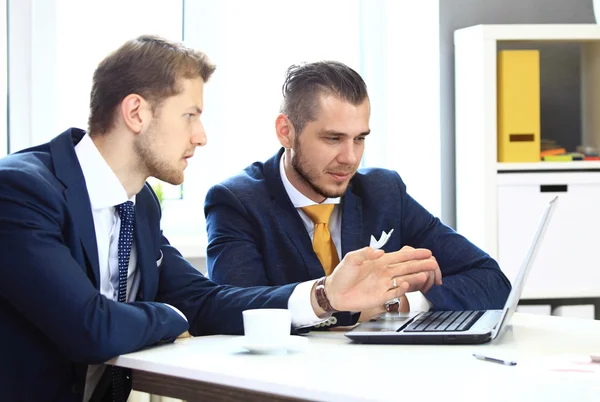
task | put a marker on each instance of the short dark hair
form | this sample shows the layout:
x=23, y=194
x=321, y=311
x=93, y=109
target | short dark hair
x=304, y=83
x=149, y=66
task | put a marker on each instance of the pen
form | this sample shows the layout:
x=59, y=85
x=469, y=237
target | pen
x=494, y=360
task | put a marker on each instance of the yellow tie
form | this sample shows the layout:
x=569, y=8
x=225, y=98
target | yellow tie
x=322, y=242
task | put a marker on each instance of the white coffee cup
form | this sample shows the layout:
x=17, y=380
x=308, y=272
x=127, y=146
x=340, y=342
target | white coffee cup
x=267, y=326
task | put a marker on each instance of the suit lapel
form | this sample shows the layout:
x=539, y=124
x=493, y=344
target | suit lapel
x=351, y=222
x=69, y=173
x=288, y=219
x=146, y=263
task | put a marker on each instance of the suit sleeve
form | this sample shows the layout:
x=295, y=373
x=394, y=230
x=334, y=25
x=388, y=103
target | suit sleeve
x=234, y=254
x=42, y=281
x=472, y=280
x=211, y=308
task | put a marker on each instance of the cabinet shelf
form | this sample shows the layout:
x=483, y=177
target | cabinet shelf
x=477, y=164
x=498, y=205
x=548, y=166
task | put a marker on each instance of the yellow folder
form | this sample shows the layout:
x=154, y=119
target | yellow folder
x=518, y=106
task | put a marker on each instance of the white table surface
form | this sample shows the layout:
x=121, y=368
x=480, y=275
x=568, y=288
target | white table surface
x=332, y=368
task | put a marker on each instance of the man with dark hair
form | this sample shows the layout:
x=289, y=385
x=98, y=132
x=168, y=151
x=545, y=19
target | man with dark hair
x=295, y=216
x=87, y=274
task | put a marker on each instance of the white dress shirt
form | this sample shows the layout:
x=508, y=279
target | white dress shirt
x=416, y=299
x=106, y=191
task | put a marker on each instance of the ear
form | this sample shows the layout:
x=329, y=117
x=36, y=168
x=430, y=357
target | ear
x=285, y=131
x=135, y=112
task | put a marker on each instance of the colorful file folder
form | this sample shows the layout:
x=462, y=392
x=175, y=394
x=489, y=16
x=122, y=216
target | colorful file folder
x=518, y=106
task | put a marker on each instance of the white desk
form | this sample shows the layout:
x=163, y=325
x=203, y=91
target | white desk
x=215, y=368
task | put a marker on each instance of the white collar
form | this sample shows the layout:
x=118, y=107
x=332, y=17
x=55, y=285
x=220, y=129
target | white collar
x=103, y=186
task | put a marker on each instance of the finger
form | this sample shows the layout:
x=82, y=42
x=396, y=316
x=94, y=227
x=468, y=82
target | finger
x=438, y=274
x=421, y=259
x=429, y=283
x=399, y=291
x=364, y=254
x=415, y=281
x=410, y=267
x=407, y=254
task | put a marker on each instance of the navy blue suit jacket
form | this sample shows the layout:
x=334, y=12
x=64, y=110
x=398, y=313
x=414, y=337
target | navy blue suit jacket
x=53, y=319
x=256, y=236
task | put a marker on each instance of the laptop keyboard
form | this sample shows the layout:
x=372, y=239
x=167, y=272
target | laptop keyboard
x=436, y=321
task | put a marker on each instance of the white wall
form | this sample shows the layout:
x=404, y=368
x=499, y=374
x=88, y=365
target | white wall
x=410, y=76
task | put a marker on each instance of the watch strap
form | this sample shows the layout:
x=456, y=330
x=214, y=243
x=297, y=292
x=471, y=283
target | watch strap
x=322, y=299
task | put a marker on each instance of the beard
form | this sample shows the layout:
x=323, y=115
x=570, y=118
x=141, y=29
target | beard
x=148, y=152
x=302, y=166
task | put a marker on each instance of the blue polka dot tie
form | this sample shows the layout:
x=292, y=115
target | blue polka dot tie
x=126, y=212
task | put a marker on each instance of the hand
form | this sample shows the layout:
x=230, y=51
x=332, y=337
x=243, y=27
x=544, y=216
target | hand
x=186, y=334
x=434, y=277
x=364, y=278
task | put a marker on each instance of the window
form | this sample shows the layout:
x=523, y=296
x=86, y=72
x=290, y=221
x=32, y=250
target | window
x=55, y=47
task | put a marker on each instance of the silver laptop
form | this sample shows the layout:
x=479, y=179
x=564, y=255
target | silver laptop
x=443, y=327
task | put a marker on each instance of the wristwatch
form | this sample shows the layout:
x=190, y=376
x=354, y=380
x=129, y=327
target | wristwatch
x=322, y=299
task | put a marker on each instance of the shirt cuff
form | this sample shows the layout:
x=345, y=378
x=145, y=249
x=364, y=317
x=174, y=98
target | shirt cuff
x=179, y=312
x=300, y=306
x=418, y=302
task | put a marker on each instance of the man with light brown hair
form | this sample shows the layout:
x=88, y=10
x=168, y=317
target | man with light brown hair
x=87, y=274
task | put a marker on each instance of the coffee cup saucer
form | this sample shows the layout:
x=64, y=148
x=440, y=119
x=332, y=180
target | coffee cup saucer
x=290, y=343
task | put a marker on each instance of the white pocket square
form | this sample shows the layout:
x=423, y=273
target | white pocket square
x=377, y=244
x=159, y=261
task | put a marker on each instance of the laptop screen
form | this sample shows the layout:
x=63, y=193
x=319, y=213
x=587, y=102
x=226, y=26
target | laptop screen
x=517, y=289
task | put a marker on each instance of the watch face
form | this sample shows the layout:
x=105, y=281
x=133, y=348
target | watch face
x=392, y=306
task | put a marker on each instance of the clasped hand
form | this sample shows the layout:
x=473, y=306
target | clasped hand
x=365, y=278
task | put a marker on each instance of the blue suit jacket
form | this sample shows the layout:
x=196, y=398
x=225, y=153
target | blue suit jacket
x=256, y=236
x=53, y=319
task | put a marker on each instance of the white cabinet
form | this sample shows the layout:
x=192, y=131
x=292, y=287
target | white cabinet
x=498, y=205
x=567, y=264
